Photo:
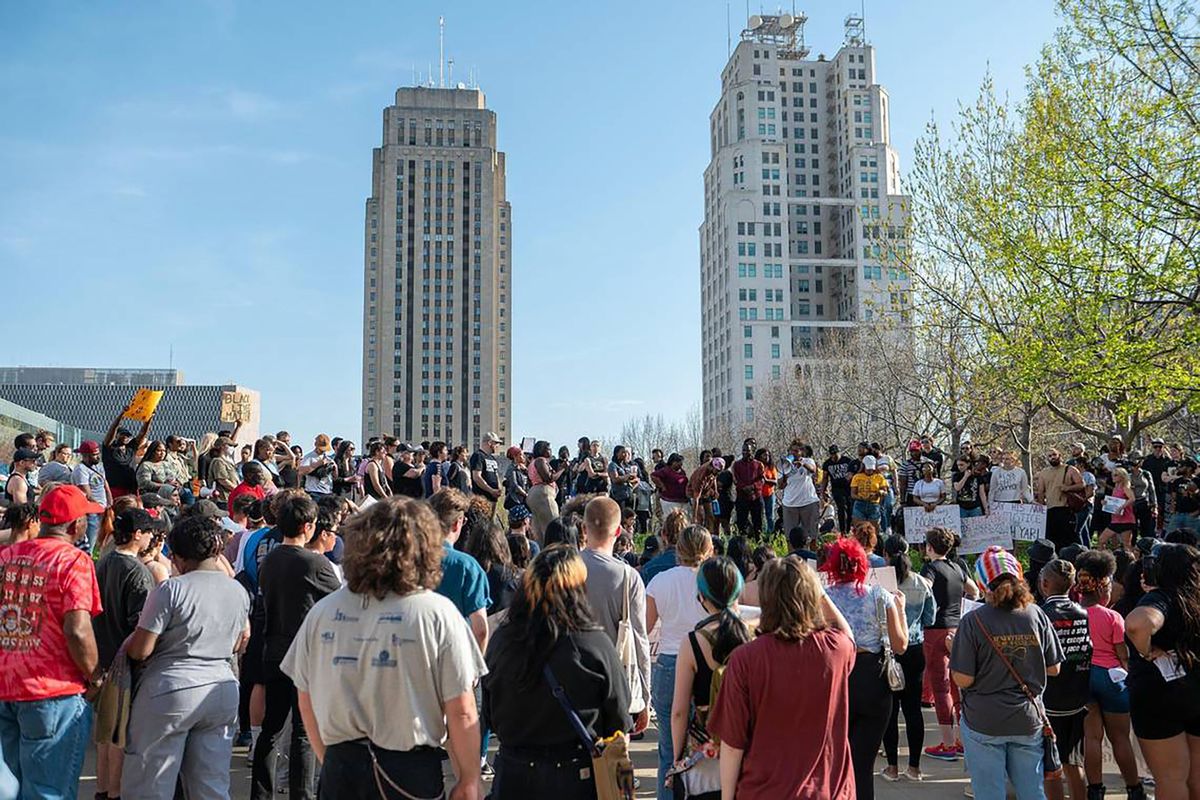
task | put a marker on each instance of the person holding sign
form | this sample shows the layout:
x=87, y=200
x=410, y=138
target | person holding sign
x=119, y=454
x=1119, y=504
x=1164, y=695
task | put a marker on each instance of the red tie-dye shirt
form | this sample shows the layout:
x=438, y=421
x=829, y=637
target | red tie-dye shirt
x=40, y=581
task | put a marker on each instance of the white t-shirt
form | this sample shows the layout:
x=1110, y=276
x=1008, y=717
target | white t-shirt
x=313, y=483
x=367, y=664
x=929, y=491
x=91, y=481
x=674, y=592
x=799, y=490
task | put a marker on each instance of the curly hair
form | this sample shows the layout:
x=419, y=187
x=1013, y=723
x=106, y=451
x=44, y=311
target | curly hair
x=846, y=562
x=867, y=534
x=395, y=546
x=196, y=538
x=672, y=526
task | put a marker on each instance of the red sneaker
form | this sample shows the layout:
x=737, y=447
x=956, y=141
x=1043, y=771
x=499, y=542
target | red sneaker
x=942, y=753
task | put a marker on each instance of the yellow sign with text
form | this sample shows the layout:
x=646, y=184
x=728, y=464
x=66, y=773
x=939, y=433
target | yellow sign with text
x=143, y=405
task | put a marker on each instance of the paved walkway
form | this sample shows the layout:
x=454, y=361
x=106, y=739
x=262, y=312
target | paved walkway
x=943, y=780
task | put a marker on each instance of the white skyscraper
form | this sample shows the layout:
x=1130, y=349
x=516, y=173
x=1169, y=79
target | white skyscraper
x=801, y=205
x=436, y=326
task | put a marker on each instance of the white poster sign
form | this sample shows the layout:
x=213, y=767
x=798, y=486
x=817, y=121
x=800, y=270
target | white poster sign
x=917, y=520
x=980, y=533
x=1026, y=521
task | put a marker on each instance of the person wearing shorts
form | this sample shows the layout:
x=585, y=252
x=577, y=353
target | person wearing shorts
x=1108, y=710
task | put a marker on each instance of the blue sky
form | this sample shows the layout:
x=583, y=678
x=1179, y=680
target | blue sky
x=193, y=175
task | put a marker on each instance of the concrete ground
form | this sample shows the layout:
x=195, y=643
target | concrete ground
x=943, y=780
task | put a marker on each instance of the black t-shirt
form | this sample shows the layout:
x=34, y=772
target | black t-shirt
x=403, y=485
x=1068, y=692
x=840, y=472
x=292, y=580
x=725, y=490
x=124, y=583
x=948, y=581
x=502, y=586
x=118, y=467
x=1186, y=492
x=1164, y=639
x=968, y=495
x=1156, y=466
x=937, y=457
x=487, y=465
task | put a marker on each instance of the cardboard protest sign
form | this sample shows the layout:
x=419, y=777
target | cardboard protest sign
x=235, y=406
x=980, y=533
x=143, y=404
x=917, y=520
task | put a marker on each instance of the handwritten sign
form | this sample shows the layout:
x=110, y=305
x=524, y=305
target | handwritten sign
x=143, y=405
x=1026, y=521
x=980, y=533
x=883, y=577
x=235, y=406
x=917, y=520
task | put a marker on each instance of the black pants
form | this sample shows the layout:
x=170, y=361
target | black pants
x=750, y=515
x=1060, y=527
x=844, y=503
x=870, y=708
x=348, y=774
x=907, y=702
x=524, y=773
x=282, y=700
x=1145, y=520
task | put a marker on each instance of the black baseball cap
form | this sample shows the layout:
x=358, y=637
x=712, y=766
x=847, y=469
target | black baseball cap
x=833, y=448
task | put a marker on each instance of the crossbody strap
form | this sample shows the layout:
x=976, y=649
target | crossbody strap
x=586, y=738
x=625, y=604
x=1012, y=670
x=881, y=612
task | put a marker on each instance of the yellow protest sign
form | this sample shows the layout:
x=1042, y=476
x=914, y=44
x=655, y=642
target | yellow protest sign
x=235, y=406
x=142, y=407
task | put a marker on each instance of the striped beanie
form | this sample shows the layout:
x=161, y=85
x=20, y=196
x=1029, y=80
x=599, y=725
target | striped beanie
x=995, y=562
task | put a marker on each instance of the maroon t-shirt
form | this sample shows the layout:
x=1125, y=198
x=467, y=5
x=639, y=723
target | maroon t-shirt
x=786, y=704
x=748, y=475
x=674, y=484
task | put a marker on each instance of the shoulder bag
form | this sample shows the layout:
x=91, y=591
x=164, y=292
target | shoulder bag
x=612, y=769
x=1051, y=763
x=891, y=667
x=1074, y=499
x=627, y=652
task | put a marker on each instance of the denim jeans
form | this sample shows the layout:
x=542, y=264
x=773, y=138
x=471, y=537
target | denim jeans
x=991, y=759
x=42, y=743
x=769, y=513
x=967, y=513
x=93, y=533
x=1185, y=521
x=864, y=510
x=662, y=693
x=885, y=514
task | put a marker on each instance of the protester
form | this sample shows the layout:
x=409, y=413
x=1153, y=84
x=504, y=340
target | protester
x=1122, y=522
x=877, y=620
x=919, y=609
x=617, y=597
x=1001, y=724
x=350, y=699
x=222, y=474
x=292, y=579
x=516, y=479
x=798, y=498
x=186, y=699
x=318, y=469
x=949, y=582
x=1108, y=696
x=748, y=477
x=551, y=639
x=463, y=581
x=119, y=455
x=623, y=477
x=930, y=491
x=543, y=491
x=21, y=485
x=1009, y=483
x=1165, y=708
x=868, y=488
x=776, y=741
x=671, y=598
x=20, y=523
x=485, y=469
x=770, y=483
x=1052, y=488
x=673, y=526
x=48, y=654
x=1066, y=695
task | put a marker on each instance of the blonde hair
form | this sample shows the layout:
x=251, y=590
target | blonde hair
x=694, y=545
x=791, y=599
x=1120, y=474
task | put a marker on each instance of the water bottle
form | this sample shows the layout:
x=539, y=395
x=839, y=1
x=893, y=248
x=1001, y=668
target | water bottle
x=716, y=508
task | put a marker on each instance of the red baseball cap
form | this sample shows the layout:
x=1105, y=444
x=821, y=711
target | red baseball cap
x=88, y=447
x=64, y=504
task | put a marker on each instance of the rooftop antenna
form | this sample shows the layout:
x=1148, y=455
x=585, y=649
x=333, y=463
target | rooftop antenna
x=442, y=52
x=863, y=11
x=414, y=69
x=451, y=65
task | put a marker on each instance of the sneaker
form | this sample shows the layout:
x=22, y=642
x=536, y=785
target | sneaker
x=958, y=748
x=942, y=753
x=969, y=792
x=890, y=774
x=912, y=774
x=244, y=739
x=485, y=769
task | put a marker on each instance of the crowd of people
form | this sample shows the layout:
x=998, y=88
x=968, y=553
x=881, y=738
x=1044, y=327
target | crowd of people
x=168, y=600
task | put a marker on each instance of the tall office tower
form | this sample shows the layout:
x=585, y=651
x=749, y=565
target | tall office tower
x=436, y=298
x=802, y=211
